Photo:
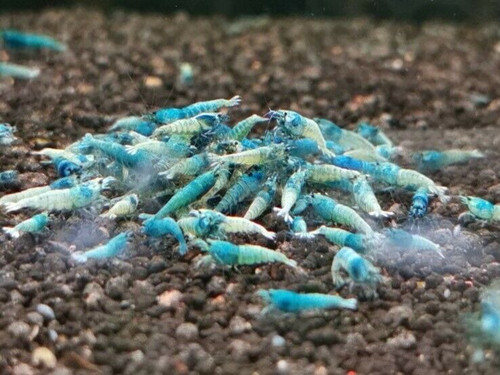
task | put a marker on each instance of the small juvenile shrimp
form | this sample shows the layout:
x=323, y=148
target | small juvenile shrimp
x=34, y=224
x=298, y=227
x=243, y=128
x=419, y=203
x=365, y=198
x=288, y=301
x=18, y=71
x=190, y=126
x=263, y=200
x=7, y=133
x=399, y=238
x=359, y=270
x=291, y=193
x=112, y=248
x=432, y=160
x=374, y=134
x=124, y=206
x=16, y=39
x=357, y=241
x=228, y=254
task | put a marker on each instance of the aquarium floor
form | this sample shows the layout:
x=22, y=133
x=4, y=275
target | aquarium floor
x=152, y=312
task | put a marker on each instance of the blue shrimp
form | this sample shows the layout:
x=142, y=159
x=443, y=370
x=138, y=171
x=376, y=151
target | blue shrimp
x=481, y=208
x=226, y=253
x=432, y=160
x=374, y=134
x=188, y=194
x=16, y=40
x=288, y=301
x=299, y=126
x=291, y=193
x=112, y=248
x=359, y=270
x=359, y=242
x=419, y=203
x=262, y=201
x=160, y=227
x=141, y=159
x=134, y=123
x=18, y=71
x=7, y=134
x=34, y=224
x=401, y=239
x=244, y=127
x=168, y=115
x=331, y=211
x=8, y=177
x=65, y=168
x=246, y=185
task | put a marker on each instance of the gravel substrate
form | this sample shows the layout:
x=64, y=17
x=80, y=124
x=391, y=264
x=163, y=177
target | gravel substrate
x=151, y=312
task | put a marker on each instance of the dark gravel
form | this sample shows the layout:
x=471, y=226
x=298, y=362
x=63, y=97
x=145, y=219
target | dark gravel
x=152, y=312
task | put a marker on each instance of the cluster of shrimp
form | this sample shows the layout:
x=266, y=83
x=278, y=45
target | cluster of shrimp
x=214, y=181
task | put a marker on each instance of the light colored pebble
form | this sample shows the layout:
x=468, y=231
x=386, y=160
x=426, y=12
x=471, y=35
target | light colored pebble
x=170, y=298
x=42, y=356
x=187, y=331
x=46, y=311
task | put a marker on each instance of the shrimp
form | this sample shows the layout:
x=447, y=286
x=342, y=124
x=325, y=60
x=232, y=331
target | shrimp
x=300, y=126
x=226, y=253
x=124, y=206
x=190, y=126
x=61, y=200
x=325, y=173
x=160, y=227
x=243, y=128
x=16, y=39
x=242, y=189
x=34, y=224
x=288, y=301
x=168, y=115
x=365, y=198
x=188, y=194
x=329, y=210
x=399, y=238
x=112, y=248
x=18, y=71
x=359, y=242
x=359, y=270
x=419, y=203
x=432, y=160
x=262, y=201
x=291, y=193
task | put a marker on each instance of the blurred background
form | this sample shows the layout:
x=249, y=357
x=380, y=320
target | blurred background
x=416, y=10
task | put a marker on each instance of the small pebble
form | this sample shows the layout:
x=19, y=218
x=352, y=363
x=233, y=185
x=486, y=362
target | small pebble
x=187, y=331
x=42, y=356
x=19, y=329
x=170, y=298
x=282, y=366
x=46, y=311
x=404, y=340
x=34, y=318
x=278, y=341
